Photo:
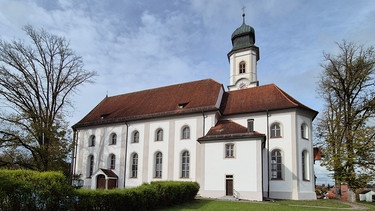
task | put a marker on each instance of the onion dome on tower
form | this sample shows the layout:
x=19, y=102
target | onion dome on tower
x=243, y=37
x=243, y=58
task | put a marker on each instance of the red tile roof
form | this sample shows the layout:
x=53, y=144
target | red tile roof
x=256, y=99
x=109, y=173
x=317, y=153
x=191, y=97
x=196, y=96
x=225, y=129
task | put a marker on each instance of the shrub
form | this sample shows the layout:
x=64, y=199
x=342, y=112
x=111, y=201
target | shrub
x=144, y=197
x=176, y=192
x=32, y=190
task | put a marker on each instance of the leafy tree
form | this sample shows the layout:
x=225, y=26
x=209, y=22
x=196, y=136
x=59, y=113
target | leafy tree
x=347, y=85
x=36, y=82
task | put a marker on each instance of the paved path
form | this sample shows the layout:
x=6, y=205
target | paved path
x=352, y=206
x=355, y=206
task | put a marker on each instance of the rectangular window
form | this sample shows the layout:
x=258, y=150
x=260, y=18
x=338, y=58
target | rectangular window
x=91, y=165
x=304, y=131
x=250, y=125
x=276, y=165
x=305, y=166
x=185, y=167
x=275, y=131
x=158, y=165
x=159, y=135
x=113, y=162
x=134, y=172
x=229, y=150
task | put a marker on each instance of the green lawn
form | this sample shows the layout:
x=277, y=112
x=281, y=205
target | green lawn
x=202, y=204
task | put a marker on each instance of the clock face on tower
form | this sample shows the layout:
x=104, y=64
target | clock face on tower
x=242, y=84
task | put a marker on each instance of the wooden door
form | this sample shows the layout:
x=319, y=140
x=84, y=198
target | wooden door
x=229, y=187
x=112, y=183
x=100, y=181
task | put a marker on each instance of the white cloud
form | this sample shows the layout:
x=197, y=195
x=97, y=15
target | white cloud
x=323, y=176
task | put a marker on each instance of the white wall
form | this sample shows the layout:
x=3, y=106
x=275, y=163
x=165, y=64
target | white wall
x=244, y=167
x=291, y=145
x=171, y=147
x=101, y=151
x=207, y=165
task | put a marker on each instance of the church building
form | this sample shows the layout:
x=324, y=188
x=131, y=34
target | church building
x=248, y=141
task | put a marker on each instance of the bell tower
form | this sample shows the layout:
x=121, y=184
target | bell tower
x=243, y=58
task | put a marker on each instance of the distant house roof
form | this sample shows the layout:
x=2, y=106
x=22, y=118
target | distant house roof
x=259, y=99
x=225, y=129
x=196, y=96
x=364, y=191
x=317, y=153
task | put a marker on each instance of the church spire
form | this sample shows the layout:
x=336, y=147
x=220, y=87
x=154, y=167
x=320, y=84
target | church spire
x=243, y=57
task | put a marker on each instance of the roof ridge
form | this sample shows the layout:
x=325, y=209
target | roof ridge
x=163, y=87
x=288, y=97
x=291, y=99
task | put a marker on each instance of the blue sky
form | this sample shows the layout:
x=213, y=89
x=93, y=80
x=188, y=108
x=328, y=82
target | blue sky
x=136, y=45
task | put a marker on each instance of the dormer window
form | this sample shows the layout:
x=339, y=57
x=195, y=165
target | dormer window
x=242, y=67
x=182, y=105
x=103, y=116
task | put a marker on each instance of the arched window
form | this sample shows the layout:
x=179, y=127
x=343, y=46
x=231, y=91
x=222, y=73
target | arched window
x=305, y=166
x=185, y=132
x=92, y=141
x=158, y=165
x=113, y=139
x=112, y=161
x=242, y=67
x=276, y=164
x=135, y=138
x=304, y=131
x=275, y=130
x=229, y=150
x=134, y=165
x=159, y=135
x=90, y=162
x=185, y=164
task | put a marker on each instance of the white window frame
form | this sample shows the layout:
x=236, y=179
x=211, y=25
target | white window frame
x=112, y=161
x=185, y=164
x=229, y=150
x=159, y=133
x=276, y=165
x=185, y=132
x=135, y=137
x=158, y=165
x=275, y=130
x=134, y=166
x=113, y=139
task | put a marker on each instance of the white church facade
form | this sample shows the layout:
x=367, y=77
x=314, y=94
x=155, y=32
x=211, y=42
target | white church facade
x=251, y=142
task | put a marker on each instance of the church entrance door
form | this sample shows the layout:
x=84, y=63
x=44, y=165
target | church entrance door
x=100, y=181
x=229, y=185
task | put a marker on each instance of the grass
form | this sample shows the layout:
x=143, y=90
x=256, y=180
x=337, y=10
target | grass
x=280, y=205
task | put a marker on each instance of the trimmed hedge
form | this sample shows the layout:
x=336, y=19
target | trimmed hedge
x=33, y=190
x=145, y=197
